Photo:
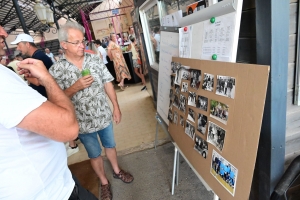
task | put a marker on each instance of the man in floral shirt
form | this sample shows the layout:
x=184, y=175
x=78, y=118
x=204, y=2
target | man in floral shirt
x=88, y=94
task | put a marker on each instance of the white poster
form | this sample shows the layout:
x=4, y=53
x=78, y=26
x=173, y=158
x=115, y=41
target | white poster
x=185, y=42
x=218, y=37
x=168, y=49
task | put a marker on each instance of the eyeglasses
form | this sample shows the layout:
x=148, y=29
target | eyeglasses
x=78, y=43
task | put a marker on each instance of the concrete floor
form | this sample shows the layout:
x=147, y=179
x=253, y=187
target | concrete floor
x=152, y=170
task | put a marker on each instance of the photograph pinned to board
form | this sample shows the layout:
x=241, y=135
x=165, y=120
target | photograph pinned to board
x=173, y=67
x=201, y=146
x=216, y=135
x=175, y=118
x=219, y=111
x=172, y=80
x=202, y=103
x=184, y=87
x=191, y=115
x=170, y=105
x=170, y=115
x=195, y=78
x=192, y=99
x=208, y=82
x=176, y=101
x=182, y=103
x=202, y=123
x=181, y=121
x=182, y=72
x=171, y=95
x=177, y=89
x=225, y=173
x=225, y=86
x=189, y=130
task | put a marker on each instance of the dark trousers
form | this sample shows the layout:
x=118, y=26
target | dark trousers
x=157, y=56
x=80, y=193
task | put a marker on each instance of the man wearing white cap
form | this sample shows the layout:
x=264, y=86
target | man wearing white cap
x=32, y=128
x=25, y=44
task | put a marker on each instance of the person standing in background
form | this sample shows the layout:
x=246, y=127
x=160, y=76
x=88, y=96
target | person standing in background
x=101, y=50
x=13, y=64
x=50, y=55
x=157, y=43
x=25, y=44
x=116, y=55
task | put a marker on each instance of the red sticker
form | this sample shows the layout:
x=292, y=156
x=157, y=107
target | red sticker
x=185, y=29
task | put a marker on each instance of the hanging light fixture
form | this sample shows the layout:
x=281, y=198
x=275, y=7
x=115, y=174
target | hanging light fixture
x=50, y=18
x=40, y=11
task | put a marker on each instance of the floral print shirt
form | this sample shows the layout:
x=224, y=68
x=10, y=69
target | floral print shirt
x=91, y=105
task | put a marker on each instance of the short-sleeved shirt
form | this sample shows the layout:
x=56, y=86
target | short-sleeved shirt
x=40, y=55
x=91, y=105
x=32, y=166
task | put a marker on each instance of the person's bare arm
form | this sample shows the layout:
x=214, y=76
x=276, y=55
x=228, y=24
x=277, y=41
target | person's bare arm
x=110, y=91
x=56, y=117
x=80, y=84
x=33, y=81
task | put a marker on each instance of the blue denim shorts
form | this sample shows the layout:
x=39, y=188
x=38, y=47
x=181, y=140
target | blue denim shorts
x=91, y=143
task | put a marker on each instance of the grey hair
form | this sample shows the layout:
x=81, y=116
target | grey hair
x=63, y=30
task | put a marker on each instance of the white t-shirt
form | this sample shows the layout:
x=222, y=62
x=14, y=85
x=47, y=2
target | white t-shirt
x=31, y=166
x=50, y=55
x=157, y=38
x=103, y=53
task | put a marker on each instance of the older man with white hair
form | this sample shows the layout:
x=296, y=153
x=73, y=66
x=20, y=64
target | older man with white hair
x=86, y=80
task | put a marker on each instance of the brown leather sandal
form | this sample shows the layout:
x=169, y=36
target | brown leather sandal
x=106, y=193
x=124, y=176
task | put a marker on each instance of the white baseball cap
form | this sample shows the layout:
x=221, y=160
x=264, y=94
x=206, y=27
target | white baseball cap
x=23, y=37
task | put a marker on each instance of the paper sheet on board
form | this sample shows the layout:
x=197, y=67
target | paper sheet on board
x=218, y=37
x=185, y=42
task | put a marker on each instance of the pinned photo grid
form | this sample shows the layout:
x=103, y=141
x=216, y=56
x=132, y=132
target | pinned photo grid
x=175, y=118
x=225, y=86
x=195, y=78
x=182, y=103
x=225, y=173
x=172, y=80
x=181, y=121
x=170, y=115
x=208, y=82
x=176, y=101
x=191, y=115
x=202, y=103
x=177, y=89
x=184, y=87
x=173, y=67
x=219, y=111
x=190, y=130
x=192, y=99
x=182, y=73
x=201, y=146
x=171, y=95
x=202, y=123
x=216, y=135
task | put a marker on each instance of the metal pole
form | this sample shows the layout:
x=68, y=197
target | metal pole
x=174, y=169
x=55, y=20
x=18, y=11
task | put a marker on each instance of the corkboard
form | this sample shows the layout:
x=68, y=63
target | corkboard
x=242, y=128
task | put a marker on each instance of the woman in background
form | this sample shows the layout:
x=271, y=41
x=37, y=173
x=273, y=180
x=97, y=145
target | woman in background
x=116, y=55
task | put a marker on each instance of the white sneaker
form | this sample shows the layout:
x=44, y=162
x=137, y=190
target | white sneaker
x=72, y=150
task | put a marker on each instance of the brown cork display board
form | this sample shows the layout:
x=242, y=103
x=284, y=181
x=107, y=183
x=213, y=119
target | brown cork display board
x=241, y=122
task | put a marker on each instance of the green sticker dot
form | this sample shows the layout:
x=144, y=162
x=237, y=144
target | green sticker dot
x=212, y=20
x=214, y=57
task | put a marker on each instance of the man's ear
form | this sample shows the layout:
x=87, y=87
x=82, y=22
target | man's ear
x=63, y=45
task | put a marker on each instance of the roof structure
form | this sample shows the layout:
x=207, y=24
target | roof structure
x=63, y=8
